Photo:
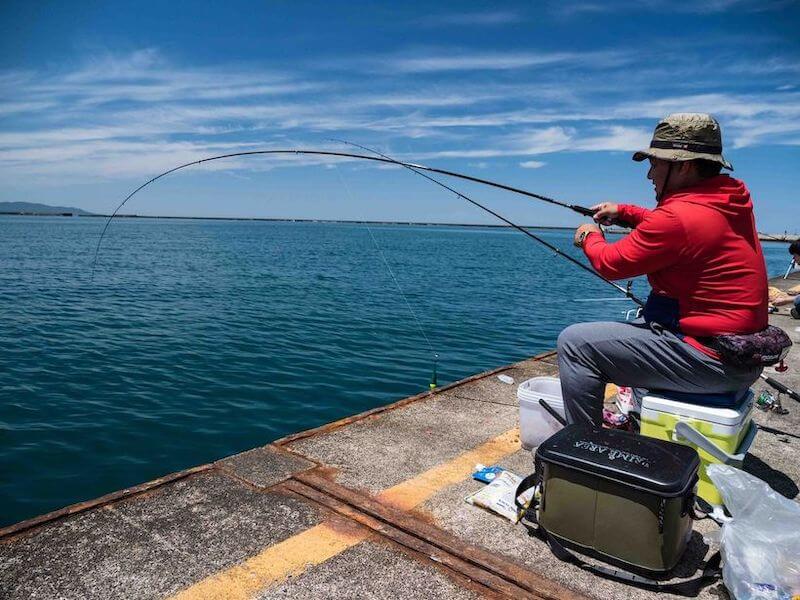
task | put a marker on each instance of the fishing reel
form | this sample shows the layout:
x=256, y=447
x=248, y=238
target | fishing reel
x=767, y=401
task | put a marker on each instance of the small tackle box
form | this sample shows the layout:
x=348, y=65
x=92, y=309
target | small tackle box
x=719, y=434
x=624, y=497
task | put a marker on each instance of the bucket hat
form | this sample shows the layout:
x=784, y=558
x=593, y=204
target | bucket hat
x=686, y=136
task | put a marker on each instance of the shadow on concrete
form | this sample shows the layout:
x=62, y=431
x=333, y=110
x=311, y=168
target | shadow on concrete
x=692, y=559
x=777, y=480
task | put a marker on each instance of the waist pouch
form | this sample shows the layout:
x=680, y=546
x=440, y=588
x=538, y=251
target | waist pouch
x=662, y=310
x=763, y=348
x=620, y=497
x=760, y=349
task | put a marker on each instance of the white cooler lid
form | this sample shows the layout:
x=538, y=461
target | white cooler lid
x=713, y=414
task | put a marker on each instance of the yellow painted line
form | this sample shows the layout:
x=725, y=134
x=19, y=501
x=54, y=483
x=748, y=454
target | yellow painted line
x=294, y=555
x=314, y=546
x=415, y=491
x=274, y=564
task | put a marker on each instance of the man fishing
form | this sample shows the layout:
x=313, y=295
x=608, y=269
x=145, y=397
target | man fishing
x=700, y=252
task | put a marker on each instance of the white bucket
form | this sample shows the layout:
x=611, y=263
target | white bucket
x=535, y=423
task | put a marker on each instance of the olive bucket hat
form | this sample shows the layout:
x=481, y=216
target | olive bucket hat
x=686, y=136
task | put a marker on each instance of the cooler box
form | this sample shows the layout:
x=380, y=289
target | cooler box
x=619, y=495
x=720, y=435
x=535, y=423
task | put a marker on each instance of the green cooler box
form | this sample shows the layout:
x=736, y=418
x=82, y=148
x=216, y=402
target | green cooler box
x=720, y=435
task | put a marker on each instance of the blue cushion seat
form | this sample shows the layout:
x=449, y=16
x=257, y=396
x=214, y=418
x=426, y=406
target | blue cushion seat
x=718, y=400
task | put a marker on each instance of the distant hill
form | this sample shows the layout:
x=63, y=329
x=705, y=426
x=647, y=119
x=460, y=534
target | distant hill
x=32, y=208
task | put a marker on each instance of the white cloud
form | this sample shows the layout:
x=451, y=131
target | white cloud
x=10, y=108
x=615, y=138
x=543, y=141
x=532, y=164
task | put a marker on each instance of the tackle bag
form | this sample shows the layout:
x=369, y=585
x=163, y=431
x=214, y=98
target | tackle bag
x=761, y=349
x=623, y=498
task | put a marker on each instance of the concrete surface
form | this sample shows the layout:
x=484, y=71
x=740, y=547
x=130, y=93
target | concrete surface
x=371, y=571
x=151, y=545
x=238, y=530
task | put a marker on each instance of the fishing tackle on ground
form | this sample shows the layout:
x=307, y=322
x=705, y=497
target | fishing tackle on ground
x=766, y=400
x=625, y=290
x=582, y=210
x=781, y=388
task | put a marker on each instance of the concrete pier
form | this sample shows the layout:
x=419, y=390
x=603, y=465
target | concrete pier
x=368, y=507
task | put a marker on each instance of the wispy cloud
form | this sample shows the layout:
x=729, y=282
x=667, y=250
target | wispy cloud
x=500, y=17
x=707, y=7
x=134, y=114
x=501, y=61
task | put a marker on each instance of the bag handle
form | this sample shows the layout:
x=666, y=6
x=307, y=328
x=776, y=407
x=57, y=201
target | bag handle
x=691, y=588
x=524, y=485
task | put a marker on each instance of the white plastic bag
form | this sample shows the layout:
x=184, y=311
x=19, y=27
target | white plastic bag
x=761, y=544
x=498, y=496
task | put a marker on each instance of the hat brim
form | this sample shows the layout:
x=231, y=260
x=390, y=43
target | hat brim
x=679, y=156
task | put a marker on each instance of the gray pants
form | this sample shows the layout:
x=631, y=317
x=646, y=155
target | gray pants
x=590, y=355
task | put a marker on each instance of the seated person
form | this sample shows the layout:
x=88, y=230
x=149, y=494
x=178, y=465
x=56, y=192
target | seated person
x=700, y=251
x=778, y=297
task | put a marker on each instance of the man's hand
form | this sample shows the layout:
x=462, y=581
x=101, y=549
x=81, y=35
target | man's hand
x=584, y=230
x=606, y=213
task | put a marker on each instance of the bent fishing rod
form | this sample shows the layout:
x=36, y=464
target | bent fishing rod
x=384, y=159
x=556, y=249
x=582, y=210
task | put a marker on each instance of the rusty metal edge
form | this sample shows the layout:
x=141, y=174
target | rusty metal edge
x=484, y=582
x=80, y=507
x=301, y=435
x=522, y=577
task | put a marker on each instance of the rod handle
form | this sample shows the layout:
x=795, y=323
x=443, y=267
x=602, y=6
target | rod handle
x=553, y=412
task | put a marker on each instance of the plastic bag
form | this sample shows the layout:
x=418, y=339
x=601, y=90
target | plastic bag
x=761, y=545
x=498, y=496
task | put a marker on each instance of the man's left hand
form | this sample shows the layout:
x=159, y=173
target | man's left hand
x=584, y=230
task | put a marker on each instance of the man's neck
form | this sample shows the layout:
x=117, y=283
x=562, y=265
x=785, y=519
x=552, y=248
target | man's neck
x=686, y=182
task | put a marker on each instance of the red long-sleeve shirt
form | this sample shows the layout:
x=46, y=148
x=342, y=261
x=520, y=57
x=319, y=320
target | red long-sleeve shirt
x=699, y=246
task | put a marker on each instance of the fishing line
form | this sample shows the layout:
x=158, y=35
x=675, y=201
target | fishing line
x=389, y=268
x=626, y=291
x=396, y=282
x=379, y=158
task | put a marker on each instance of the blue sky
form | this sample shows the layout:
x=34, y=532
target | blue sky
x=96, y=97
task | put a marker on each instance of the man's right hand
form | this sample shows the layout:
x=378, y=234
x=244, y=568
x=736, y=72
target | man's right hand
x=606, y=213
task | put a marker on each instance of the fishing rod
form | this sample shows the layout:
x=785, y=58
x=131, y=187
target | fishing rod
x=625, y=290
x=582, y=210
x=418, y=169
x=792, y=265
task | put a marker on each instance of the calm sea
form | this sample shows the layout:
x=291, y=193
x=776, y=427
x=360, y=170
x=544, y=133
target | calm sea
x=199, y=339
